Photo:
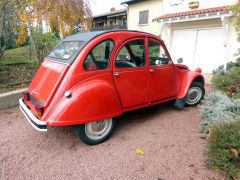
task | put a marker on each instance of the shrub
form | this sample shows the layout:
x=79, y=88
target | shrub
x=229, y=81
x=224, y=148
x=44, y=43
x=218, y=107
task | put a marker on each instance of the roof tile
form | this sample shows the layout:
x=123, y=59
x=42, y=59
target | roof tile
x=195, y=12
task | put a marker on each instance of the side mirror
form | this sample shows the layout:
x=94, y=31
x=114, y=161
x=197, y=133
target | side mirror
x=180, y=60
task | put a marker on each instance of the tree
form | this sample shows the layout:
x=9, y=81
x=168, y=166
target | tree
x=236, y=10
x=7, y=21
x=61, y=16
x=20, y=18
x=44, y=43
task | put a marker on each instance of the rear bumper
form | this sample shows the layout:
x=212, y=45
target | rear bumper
x=35, y=122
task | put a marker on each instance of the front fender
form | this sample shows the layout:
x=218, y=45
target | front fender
x=187, y=79
x=90, y=101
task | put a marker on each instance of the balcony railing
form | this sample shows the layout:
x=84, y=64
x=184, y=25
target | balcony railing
x=109, y=27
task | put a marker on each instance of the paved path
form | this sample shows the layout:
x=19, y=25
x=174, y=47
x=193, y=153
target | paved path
x=170, y=138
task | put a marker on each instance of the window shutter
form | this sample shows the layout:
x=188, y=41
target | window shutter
x=143, y=17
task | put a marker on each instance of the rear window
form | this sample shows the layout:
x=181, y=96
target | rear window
x=66, y=50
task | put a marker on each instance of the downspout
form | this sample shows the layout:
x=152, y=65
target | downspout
x=225, y=25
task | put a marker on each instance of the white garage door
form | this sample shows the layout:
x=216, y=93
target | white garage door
x=199, y=48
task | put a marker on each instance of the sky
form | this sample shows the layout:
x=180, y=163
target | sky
x=102, y=6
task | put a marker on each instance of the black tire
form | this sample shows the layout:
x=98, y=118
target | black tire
x=89, y=139
x=198, y=88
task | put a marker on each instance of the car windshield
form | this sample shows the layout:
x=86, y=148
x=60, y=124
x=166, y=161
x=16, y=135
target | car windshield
x=66, y=50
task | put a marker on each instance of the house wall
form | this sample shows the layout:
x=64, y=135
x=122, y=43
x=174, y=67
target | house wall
x=197, y=24
x=231, y=37
x=155, y=9
x=160, y=7
x=182, y=5
x=232, y=43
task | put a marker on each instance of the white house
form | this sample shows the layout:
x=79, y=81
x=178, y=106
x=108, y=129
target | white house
x=202, y=32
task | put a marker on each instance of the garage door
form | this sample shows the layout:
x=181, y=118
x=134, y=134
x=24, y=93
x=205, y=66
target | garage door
x=199, y=48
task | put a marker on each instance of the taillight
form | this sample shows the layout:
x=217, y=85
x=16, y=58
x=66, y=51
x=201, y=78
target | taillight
x=38, y=110
x=26, y=96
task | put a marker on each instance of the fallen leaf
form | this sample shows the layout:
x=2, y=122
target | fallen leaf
x=140, y=151
x=234, y=153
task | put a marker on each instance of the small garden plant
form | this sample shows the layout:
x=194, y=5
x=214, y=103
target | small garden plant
x=218, y=107
x=228, y=81
x=224, y=148
x=220, y=112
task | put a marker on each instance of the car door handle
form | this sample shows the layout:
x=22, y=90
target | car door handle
x=151, y=70
x=116, y=74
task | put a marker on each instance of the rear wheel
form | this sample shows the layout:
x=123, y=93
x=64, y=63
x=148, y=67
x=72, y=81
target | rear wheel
x=96, y=132
x=195, y=94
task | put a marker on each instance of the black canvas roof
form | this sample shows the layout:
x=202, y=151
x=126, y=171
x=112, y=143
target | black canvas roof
x=85, y=37
x=88, y=36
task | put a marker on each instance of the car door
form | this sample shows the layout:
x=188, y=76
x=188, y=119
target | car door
x=162, y=73
x=131, y=73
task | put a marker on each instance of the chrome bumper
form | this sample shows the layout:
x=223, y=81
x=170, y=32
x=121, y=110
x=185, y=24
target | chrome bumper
x=36, y=123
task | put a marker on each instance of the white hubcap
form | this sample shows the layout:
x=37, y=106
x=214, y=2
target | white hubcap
x=194, y=95
x=98, y=130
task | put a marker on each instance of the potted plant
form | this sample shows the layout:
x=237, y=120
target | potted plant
x=193, y=4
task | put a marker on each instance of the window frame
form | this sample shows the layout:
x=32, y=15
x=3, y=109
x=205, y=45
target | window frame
x=144, y=39
x=165, y=49
x=110, y=56
x=70, y=59
x=147, y=18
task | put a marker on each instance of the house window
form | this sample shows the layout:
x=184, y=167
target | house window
x=143, y=17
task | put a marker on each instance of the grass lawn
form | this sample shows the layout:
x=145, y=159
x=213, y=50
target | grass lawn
x=18, y=56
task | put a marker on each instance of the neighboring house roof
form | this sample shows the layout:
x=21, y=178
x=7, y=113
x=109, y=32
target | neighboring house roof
x=195, y=12
x=131, y=1
x=111, y=13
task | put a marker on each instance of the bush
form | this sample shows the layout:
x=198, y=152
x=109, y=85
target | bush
x=44, y=43
x=224, y=148
x=16, y=76
x=218, y=107
x=229, y=81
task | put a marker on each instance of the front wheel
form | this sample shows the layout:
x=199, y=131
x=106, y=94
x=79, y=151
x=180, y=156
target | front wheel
x=96, y=132
x=195, y=94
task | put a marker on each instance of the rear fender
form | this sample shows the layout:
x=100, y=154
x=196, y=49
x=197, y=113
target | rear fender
x=90, y=101
x=188, y=78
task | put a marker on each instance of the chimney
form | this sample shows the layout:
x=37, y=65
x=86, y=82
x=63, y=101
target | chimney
x=113, y=9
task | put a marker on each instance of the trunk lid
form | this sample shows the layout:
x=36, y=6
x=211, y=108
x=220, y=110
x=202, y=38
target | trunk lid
x=46, y=81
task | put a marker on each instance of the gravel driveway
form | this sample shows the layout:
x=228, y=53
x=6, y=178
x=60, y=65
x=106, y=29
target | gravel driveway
x=174, y=148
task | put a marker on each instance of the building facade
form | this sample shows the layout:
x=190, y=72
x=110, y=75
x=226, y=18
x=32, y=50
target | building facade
x=115, y=19
x=201, y=32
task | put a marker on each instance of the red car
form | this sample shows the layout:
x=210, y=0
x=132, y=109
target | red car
x=91, y=78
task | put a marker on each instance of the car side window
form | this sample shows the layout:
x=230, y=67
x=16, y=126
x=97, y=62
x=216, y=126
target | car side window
x=157, y=54
x=131, y=55
x=99, y=56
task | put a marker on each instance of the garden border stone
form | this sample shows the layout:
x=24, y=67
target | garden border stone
x=10, y=99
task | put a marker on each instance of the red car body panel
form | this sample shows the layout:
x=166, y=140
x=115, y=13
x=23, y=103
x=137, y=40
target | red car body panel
x=102, y=94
